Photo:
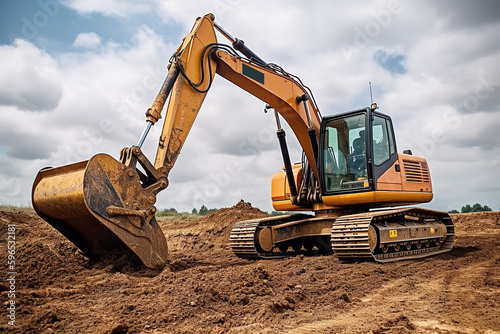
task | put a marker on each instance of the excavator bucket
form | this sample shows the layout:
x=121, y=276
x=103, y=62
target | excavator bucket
x=103, y=207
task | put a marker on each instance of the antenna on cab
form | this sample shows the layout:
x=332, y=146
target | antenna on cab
x=373, y=105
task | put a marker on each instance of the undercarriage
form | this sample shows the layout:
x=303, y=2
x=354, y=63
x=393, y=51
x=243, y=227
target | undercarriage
x=383, y=236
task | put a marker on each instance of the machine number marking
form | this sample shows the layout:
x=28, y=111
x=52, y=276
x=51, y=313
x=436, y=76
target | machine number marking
x=393, y=233
x=433, y=230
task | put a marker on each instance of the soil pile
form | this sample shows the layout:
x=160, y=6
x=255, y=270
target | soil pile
x=206, y=289
x=207, y=234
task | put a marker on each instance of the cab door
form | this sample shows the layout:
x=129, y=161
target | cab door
x=383, y=148
x=345, y=161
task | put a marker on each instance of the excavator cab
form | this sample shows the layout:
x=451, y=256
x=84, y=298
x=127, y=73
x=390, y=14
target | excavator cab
x=361, y=167
x=356, y=147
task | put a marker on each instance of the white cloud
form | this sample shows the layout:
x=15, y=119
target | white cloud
x=120, y=8
x=87, y=40
x=29, y=78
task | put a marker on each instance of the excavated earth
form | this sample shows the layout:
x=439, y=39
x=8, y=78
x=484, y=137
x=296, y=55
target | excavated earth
x=206, y=289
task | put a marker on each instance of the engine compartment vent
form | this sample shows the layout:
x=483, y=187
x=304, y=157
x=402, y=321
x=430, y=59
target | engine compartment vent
x=416, y=171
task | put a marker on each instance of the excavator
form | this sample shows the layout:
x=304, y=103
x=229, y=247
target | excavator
x=350, y=175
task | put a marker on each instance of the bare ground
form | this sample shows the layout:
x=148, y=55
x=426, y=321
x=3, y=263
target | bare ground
x=206, y=289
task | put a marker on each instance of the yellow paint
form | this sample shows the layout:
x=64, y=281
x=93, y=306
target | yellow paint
x=382, y=198
x=393, y=233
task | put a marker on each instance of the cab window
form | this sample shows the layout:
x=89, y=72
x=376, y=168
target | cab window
x=345, y=154
x=383, y=140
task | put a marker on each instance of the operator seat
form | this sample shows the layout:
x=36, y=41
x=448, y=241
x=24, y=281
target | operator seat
x=357, y=159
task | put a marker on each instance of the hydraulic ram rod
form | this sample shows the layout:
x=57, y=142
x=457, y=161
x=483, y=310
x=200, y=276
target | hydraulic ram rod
x=239, y=45
x=154, y=113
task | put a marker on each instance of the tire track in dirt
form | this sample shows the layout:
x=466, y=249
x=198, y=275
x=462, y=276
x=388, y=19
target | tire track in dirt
x=364, y=315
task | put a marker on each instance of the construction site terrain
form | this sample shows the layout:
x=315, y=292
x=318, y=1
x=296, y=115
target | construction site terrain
x=205, y=288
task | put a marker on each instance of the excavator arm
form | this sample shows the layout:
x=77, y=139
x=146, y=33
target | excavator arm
x=106, y=207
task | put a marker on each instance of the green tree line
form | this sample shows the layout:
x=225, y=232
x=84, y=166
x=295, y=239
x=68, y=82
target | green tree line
x=203, y=210
x=475, y=208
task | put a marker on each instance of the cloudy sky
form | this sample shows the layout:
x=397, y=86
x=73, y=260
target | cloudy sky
x=76, y=77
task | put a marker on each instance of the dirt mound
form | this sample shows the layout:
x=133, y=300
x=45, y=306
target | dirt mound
x=477, y=219
x=209, y=233
x=217, y=225
x=206, y=289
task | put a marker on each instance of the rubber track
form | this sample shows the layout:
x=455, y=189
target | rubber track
x=350, y=235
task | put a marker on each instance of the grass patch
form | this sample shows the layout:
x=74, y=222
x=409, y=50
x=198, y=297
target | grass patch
x=171, y=214
x=27, y=210
x=165, y=214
